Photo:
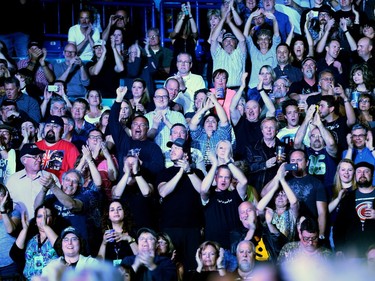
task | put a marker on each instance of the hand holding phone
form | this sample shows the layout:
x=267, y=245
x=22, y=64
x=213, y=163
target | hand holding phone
x=291, y=167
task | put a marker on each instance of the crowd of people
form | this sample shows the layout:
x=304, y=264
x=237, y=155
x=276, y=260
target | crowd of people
x=254, y=159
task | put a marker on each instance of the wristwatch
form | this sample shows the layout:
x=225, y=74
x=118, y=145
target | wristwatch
x=322, y=237
x=131, y=241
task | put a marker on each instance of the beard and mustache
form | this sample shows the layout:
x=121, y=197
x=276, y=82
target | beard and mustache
x=51, y=137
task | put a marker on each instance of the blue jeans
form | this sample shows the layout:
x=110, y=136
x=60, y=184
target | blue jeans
x=16, y=43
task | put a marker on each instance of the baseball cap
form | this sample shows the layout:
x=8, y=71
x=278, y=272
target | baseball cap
x=55, y=120
x=148, y=230
x=7, y=102
x=229, y=35
x=326, y=9
x=30, y=148
x=365, y=164
x=99, y=43
x=308, y=58
x=34, y=43
x=179, y=142
x=68, y=230
x=6, y=127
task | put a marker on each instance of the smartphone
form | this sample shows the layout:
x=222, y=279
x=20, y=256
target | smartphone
x=291, y=167
x=315, y=14
x=122, y=82
x=53, y=88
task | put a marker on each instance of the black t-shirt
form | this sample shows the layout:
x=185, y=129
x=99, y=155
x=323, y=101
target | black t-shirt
x=221, y=215
x=308, y=191
x=247, y=133
x=182, y=207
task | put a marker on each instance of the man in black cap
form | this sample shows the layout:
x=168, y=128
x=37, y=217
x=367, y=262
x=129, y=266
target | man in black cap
x=354, y=229
x=181, y=212
x=308, y=86
x=231, y=53
x=146, y=265
x=72, y=249
x=24, y=185
x=60, y=155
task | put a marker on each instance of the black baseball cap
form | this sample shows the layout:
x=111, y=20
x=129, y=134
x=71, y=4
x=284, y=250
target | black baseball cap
x=31, y=149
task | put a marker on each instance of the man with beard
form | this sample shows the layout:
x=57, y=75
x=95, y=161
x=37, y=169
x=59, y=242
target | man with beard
x=322, y=150
x=284, y=68
x=245, y=254
x=60, y=155
x=149, y=153
x=308, y=189
x=308, y=246
x=308, y=85
x=337, y=124
x=231, y=53
x=354, y=229
x=181, y=212
x=24, y=185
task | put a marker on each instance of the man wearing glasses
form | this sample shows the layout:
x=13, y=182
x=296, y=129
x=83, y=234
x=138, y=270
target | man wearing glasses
x=24, y=185
x=162, y=119
x=307, y=247
x=163, y=56
x=73, y=72
x=189, y=82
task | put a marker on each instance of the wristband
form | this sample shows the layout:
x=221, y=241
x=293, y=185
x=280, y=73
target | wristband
x=131, y=241
x=372, y=150
x=346, y=31
x=3, y=212
x=190, y=172
x=138, y=174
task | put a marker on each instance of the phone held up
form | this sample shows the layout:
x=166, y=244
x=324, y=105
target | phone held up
x=291, y=167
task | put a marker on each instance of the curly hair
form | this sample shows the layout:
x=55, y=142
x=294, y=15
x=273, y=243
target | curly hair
x=128, y=223
x=368, y=76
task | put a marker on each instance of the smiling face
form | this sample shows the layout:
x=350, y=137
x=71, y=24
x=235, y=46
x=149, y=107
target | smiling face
x=282, y=55
x=247, y=213
x=281, y=199
x=358, y=77
x=359, y=138
x=70, y=245
x=333, y=49
x=70, y=183
x=346, y=172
